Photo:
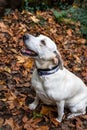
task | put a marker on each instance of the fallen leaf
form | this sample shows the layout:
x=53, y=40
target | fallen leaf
x=25, y=119
x=32, y=124
x=34, y=19
x=60, y=38
x=13, y=125
x=70, y=32
x=43, y=128
x=1, y=51
x=78, y=60
x=81, y=41
x=78, y=123
x=20, y=59
x=10, y=96
x=2, y=82
x=55, y=122
x=28, y=64
x=10, y=122
x=14, y=51
x=7, y=69
x=1, y=121
x=46, y=110
x=84, y=116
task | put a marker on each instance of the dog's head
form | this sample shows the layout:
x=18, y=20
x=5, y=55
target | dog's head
x=43, y=48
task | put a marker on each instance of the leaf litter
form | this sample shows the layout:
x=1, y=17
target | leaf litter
x=16, y=70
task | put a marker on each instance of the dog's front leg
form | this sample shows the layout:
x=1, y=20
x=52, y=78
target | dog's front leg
x=60, y=107
x=34, y=104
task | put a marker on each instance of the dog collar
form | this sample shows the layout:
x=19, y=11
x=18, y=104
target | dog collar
x=42, y=72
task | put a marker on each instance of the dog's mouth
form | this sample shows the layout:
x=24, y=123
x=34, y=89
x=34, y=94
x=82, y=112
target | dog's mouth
x=29, y=52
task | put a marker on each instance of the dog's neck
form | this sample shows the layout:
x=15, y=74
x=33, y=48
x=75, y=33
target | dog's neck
x=46, y=67
x=41, y=64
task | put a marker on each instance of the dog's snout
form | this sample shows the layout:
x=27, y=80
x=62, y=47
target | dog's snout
x=25, y=37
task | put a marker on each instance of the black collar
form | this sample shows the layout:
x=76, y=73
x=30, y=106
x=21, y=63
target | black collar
x=42, y=72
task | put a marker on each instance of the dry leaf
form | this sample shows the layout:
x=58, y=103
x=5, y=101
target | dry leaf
x=10, y=122
x=43, y=128
x=70, y=32
x=84, y=117
x=1, y=51
x=32, y=124
x=10, y=96
x=55, y=122
x=2, y=82
x=81, y=41
x=14, y=51
x=34, y=19
x=78, y=60
x=60, y=38
x=20, y=59
x=47, y=110
x=25, y=119
x=1, y=122
x=13, y=125
x=28, y=64
x=78, y=123
x=7, y=69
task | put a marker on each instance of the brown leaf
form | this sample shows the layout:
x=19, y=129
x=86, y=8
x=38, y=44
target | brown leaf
x=2, y=82
x=55, y=122
x=25, y=119
x=11, y=104
x=84, y=116
x=10, y=96
x=14, y=51
x=81, y=41
x=60, y=38
x=1, y=121
x=1, y=51
x=32, y=124
x=28, y=64
x=78, y=60
x=78, y=123
x=13, y=124
x=76, y=68
x=70, y=32
x=20, y=59
x=45, y=110
x=34, y=19
x=43, y=128
x=10, y=122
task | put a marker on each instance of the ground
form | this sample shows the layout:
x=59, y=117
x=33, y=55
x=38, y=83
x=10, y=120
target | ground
x=16, y=70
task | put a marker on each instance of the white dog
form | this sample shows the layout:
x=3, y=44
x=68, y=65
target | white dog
x=53, y=83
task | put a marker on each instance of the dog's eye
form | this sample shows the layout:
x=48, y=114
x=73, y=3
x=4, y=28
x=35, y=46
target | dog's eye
x=43, y=42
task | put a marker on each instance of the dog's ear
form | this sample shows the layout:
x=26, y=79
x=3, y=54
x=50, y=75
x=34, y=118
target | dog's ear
x=58, y=60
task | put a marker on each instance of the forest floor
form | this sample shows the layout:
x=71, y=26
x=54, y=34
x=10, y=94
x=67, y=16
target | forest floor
x=16, y=70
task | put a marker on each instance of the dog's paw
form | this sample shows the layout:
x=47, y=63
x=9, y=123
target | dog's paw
x=71, y=116
x=32, y=106
x=58, y=120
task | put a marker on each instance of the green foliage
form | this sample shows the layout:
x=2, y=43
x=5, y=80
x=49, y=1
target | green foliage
x=36, y=115
x=32, y=6
x=84, y=30
x=42, y=20
x=73, y=14
x=59, y=15
x=78, y=14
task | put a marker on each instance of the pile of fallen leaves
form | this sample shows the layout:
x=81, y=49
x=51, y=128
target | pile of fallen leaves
x=16, y=70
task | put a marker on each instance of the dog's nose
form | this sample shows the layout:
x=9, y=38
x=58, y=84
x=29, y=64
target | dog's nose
x=25, y=37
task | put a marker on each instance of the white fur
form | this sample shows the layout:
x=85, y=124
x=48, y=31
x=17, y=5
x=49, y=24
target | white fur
x=62, y=88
